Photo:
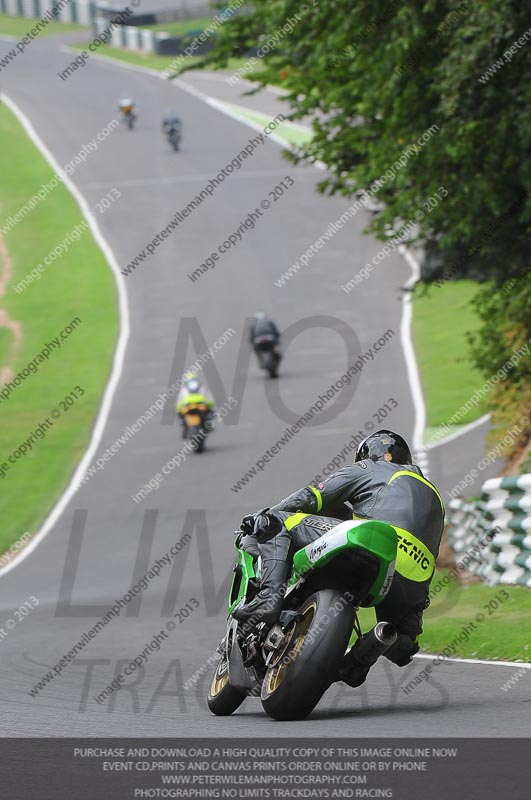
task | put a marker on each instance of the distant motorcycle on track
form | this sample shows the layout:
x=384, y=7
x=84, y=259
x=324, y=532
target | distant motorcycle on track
x=195, y=417
x=268, y=354
x=264, y=337
x=195, y=409
x=172, y=127
x=127, y=109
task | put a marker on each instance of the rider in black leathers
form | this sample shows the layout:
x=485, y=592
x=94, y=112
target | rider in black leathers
x=172, y=123
x=263, y=327
x=383, y=484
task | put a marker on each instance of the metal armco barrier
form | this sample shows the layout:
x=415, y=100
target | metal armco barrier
x=504, y=507
x=82, y=12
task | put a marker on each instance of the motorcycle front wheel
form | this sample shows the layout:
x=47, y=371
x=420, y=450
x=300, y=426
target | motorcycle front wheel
x=223, y=699
x=308, y=664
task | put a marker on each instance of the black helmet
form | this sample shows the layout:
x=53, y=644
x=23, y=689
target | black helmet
x=384, y=446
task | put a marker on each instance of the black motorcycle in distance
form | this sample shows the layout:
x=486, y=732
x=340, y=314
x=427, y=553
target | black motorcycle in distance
x=268, y=354
x=173, y=131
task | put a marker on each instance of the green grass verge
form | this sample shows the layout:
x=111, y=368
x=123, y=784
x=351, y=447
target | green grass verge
x=151, y=60
x=503, y=634
x=5, y=342
x=180, y=27
x=291, y=133
x=441, y=318
x=19, y=26
x=78, y=284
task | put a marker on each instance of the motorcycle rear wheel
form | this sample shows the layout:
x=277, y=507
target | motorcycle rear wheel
x=197, y=436
x=309, y=664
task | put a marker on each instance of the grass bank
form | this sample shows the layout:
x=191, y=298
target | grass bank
x=154, y=61
x=73, y=302
x=442, y=316
x=182, y=26
x=474, y=621
x=19, y=26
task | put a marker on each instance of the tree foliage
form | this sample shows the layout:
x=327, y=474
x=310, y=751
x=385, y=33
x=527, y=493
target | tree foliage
x=374, y=77
x=506, y=331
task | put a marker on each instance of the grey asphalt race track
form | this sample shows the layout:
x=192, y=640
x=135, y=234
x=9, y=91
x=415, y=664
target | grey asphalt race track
x=113, y=533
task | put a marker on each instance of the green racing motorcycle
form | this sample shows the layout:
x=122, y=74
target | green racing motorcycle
x=317, y=639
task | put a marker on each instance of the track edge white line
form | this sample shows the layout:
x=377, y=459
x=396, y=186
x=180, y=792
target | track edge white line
x=119, y=352
x=485, y=662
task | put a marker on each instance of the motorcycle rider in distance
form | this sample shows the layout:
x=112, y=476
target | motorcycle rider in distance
x=194, y=392
x=264, y=337
x=382, y=484
x=127, y=107
x=172, y=127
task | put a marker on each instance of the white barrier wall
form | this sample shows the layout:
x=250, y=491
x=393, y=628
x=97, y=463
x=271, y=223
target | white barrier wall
x=505, y=506
x=80, y=11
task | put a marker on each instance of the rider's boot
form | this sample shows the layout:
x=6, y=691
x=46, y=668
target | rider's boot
x=273, y=545
x=267, y=604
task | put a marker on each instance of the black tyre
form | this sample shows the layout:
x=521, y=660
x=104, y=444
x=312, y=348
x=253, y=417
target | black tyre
x=223, y=699
x=303, y=671
x=272, y=364
x=197, y=437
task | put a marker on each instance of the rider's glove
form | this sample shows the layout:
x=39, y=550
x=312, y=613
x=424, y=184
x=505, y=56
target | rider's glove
x=247, y=524
x=255, y=523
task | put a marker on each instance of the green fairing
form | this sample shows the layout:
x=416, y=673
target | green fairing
x=376, y=537
x=245, y=562
x=373, y=536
